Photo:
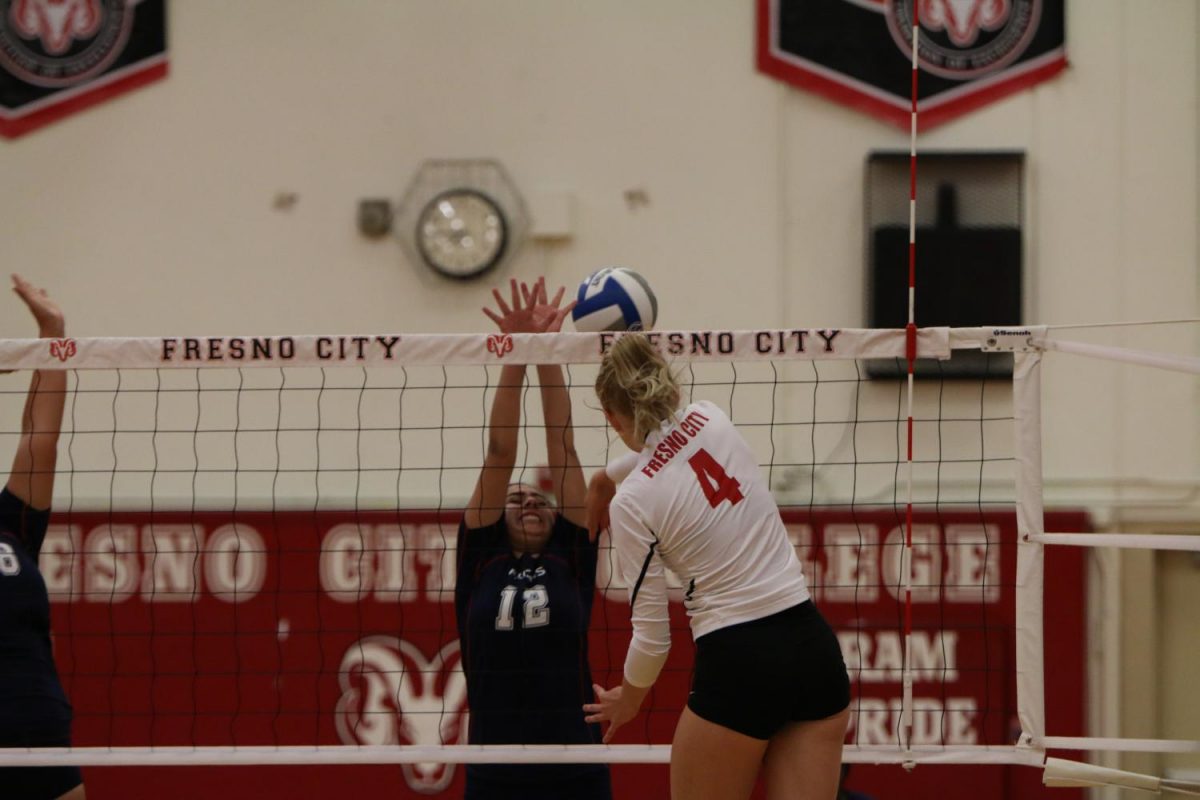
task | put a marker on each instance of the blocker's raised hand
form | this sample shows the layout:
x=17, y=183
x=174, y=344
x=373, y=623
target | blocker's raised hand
x=50, y=320
x=534, y=315
x=548, y=316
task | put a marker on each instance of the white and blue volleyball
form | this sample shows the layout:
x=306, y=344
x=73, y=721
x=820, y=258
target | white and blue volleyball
x=614, y=299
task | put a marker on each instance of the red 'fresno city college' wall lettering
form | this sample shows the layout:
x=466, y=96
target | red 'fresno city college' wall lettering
x=298, y=628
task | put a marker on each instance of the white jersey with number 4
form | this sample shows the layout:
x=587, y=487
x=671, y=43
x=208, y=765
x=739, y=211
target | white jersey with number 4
x=694, y=502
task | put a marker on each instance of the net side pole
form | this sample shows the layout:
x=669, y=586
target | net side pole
x=1027, y=423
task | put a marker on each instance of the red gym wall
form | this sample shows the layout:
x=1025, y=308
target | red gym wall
x=284, y=631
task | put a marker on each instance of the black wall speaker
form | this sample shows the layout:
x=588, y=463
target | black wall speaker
x=968, y=271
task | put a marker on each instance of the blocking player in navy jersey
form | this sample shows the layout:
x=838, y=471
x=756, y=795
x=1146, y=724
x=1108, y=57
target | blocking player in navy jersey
x=769, y=686
x=526, y=580
x=34, y=711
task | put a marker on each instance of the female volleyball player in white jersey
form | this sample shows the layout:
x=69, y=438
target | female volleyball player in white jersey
x=769, y=687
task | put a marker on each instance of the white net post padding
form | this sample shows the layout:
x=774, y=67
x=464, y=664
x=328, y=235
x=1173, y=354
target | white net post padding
x=1027, y=404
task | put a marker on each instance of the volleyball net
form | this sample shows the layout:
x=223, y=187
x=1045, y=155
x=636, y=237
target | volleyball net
x=252, y=552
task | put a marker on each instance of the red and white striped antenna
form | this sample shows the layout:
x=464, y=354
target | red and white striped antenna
x=906, y=707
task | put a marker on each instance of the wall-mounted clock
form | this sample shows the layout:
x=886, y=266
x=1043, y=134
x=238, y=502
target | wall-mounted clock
x=458, y=218
x=461, y=233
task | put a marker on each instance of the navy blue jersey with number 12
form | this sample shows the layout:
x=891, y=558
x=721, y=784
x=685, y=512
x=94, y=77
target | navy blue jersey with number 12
x=33, y=708
x=523, y=626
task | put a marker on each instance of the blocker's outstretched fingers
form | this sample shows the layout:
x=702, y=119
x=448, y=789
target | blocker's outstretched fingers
x=561, y=315
x=516, y=298
x=503, y=306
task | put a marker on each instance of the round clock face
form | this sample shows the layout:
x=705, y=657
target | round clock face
x=461, y=233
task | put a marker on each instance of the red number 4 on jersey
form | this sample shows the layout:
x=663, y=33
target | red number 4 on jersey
x=716, y=483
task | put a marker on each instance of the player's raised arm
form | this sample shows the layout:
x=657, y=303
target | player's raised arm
x=487, y=501
x=642, y=570
x=566, y=474
x=34, y=710
x=524, y=586
x=32, y=476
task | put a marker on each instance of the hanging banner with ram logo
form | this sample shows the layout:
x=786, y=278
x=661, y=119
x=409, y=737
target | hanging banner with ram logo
x=58, y=57
x=859, y=52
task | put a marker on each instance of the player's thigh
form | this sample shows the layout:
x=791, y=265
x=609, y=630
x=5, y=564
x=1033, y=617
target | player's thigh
x=75, y=794
x=710, y=761
x=804, y=759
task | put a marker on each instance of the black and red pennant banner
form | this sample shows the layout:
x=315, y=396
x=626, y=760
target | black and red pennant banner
x=58, y=57
x=859, y=52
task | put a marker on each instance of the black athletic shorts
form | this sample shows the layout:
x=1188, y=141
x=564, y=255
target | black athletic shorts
x=758, y=676
x=543, y=782
x=39, y=783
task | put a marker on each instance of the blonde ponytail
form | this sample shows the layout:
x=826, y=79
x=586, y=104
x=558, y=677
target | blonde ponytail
x=635, y=381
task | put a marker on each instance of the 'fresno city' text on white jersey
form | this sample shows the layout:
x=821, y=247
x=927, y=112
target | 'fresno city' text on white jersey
x=695, y=502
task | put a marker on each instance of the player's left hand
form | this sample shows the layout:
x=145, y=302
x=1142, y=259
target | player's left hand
x=46, y=313
x=614, y=706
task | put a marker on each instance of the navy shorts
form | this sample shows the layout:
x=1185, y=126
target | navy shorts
x=39, y=783
x=540, y=782
x=757, y=676
x=52, y=728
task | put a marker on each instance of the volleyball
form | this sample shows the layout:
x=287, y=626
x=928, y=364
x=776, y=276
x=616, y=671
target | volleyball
x=614, y=299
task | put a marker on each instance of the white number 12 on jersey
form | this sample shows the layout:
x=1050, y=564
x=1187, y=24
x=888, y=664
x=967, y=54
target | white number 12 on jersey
x=535, y=600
